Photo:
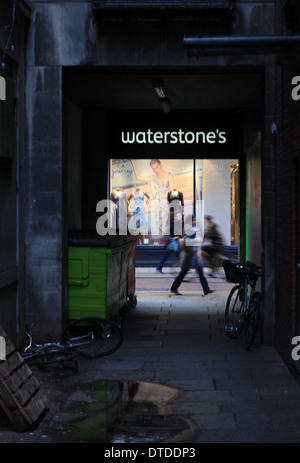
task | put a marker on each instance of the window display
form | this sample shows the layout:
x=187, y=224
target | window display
x=138, y=204
x=152, y=198
x=151, y=186
x=215, y=188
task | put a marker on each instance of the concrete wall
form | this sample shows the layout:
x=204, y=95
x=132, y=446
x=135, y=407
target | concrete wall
x=12, y=173
x=287, y=157
x=44, y=198
x=67, y=34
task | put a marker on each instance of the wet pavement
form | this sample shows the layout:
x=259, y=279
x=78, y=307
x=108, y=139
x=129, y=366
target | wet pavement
x=121, y=412
x=177, y=378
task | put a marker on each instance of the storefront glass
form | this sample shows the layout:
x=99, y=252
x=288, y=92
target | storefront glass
x=159, y=195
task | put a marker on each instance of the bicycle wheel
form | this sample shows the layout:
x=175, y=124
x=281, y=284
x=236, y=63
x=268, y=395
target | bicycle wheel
x=234, y=312
x=94, y=337
x=48, y=356
x=251, y=321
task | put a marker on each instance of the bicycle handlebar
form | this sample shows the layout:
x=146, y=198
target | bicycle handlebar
x=253, y=268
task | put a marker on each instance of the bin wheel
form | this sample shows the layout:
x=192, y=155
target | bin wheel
x=131, y=301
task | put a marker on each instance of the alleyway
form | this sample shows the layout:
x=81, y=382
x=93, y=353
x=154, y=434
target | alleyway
x=211, y=389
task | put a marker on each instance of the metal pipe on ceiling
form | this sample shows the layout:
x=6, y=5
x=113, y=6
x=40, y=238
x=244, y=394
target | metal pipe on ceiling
x=241, y=41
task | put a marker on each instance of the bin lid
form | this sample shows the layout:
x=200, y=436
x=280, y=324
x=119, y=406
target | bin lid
x=90, y=238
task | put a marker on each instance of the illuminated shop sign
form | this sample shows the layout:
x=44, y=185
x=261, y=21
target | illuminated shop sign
x=199, y=135
x=178, y=136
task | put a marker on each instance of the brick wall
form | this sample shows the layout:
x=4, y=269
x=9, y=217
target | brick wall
x=287, y=152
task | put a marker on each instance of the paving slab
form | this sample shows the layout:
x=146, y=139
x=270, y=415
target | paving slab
x=227, y=394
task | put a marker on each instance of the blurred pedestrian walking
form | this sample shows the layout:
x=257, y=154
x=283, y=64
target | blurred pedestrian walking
x=192, y=241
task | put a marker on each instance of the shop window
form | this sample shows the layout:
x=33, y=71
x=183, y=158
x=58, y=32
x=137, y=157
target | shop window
x=217, y=194
x=155, y=198
x=157, y=193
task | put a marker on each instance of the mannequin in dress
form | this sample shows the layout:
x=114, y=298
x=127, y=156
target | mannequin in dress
x=160, y=182
x=139, y=208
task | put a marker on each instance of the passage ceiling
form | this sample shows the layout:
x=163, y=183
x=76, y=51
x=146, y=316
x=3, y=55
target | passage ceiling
x=90, y=88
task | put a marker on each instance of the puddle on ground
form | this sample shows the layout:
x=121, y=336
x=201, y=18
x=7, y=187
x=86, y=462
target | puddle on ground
x=122, y=412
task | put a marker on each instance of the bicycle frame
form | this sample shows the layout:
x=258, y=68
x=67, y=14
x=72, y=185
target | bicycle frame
x=246, y=318
x=88, y=338
x=38, y=349
x=247, y=296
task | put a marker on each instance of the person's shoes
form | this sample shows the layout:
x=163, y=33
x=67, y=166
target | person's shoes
x=159, y=271
x=176, y=292
x=209, y=291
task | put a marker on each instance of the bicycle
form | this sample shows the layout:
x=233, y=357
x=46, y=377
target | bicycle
x=90, y=337
x=242, y=312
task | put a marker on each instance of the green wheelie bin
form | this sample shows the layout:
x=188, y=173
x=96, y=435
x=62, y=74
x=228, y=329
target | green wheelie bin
x=101, y=274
